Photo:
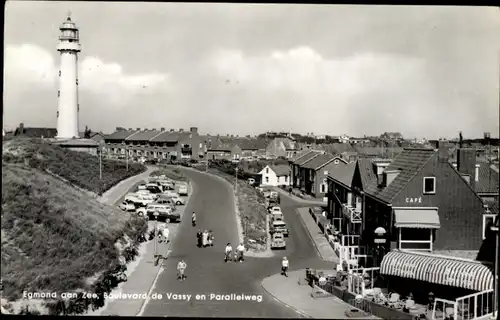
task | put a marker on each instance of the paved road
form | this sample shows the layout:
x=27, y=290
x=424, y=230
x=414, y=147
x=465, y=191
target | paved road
x=212, y=200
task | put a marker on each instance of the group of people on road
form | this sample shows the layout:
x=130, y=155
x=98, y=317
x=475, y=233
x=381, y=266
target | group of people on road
x=163, y=233
x=205, y=238
x=236, y=255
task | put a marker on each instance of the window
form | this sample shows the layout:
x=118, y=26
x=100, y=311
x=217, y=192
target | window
x=488, y=221
x=59, y=73
x=286, y=178
x=323, y=188
x=58, y=93
x=416, y=239
x=336, y=161
x=429, y=185
x=267, y=179
x=267, y=170
x=325, y=172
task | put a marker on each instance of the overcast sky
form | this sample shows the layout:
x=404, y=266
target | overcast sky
x=244, y=69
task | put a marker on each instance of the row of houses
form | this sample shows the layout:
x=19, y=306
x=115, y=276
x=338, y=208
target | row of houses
x=420, y=199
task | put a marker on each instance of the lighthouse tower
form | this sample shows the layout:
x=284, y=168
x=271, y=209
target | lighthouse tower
x=68, y=108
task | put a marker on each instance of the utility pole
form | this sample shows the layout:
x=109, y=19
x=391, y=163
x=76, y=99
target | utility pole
x=126, y=157
x=99, y=150
x=236, y=181
x=155, y=253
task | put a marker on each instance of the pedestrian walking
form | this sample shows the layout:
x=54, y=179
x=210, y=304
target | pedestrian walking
x=205, y=238
x=284, y=267
x=199, y=237
x=210, y=238
x=181, y=267
x=166, y=233
x=159, y=232
x=228, y=251
x=193, y=219
x=241, y=251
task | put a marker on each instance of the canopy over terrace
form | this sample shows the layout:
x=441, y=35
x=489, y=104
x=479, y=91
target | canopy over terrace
x=461, y=273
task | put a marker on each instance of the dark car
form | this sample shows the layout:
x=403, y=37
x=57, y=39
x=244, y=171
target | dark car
x=154, y=189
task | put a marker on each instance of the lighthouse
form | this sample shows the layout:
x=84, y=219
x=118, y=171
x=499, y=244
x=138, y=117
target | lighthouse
x=68, y=108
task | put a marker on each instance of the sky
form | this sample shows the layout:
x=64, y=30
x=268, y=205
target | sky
x=249, y=68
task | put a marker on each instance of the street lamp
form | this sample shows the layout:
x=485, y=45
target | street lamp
x=155, y=253
x=379, y=241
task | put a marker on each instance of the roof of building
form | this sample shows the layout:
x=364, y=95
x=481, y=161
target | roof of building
x=120, y=134
x=493, y=206
x=337, y=148
x=280, y=169
x=379, y=151
x=88, y=143
x=367, y=172
x=36, y=132
x=92, y=134
x=307, y=157
x=169, y=136
x=219, y=146
x=144, y=135
x=343, y=173
x=409, y=163
x=319, y=161
x=300, y=155
x=488, y=179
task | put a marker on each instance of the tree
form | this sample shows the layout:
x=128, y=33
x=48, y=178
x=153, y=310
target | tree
x=87, y=133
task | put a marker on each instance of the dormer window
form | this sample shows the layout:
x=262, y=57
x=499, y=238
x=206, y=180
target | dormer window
x=429, y=185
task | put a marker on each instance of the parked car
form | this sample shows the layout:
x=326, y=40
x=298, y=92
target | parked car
x=277, y=216
x=278, y=226
x=154, y=189
x=171, y=194
x=141, y=187
x=278, y=241
x=275, y=209
x=183, y=190
x=139, y=200
x=166, y=200
x=179, y=201
x=165, y=212
x=127, y=206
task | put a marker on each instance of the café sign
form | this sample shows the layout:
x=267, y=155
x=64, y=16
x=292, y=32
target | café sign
x=413, y=200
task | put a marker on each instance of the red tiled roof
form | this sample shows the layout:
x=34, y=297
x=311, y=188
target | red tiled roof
x=302, y=160
x=319, y=161
x=488, y=180
x=120, y=135
x=367, y=172
x=409, y=163
x=343, y=173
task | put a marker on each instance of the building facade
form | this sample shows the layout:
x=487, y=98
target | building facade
x=275, y=175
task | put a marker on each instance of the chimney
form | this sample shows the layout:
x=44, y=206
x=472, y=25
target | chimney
x=181, y=130
x=193, y=129
x=21, y=127
x=162, y=129
x=443, y=153
x=466, y=163
x=476, y=175
x=172, y=130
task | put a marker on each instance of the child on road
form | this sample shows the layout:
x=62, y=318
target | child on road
x=284, y=267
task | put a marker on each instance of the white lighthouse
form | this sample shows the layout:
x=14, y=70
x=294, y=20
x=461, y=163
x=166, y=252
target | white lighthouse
x=68, y=108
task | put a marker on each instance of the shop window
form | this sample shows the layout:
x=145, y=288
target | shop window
x=429, y=185
x=415, y=239
x=488, y=221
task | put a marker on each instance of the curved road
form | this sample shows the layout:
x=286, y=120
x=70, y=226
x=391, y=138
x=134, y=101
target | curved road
x=206, y=272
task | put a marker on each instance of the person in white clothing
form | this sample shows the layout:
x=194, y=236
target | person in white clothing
x=166, y=233
x=181, y=266
x=241, y=250
x=228, y=251
x=284, y=266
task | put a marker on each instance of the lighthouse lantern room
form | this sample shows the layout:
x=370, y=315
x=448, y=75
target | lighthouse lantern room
x=68, y=108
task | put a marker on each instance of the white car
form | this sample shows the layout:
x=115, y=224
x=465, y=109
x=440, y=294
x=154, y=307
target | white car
x=139, y=199
x=178, y=201
x=275, y=209
x=183, y=190
x=127, y=206
x=171, y=194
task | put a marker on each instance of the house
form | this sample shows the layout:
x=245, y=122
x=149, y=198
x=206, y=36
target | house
x=282, y=147
x=339, y=182
x=391, y=136
x=275, y=175
x=227, y=151
x=156, y=144
x=485, y=179
x=423, y=203
x=31, y=132
x=295, y=166
x=315, y=173
x=96, y=136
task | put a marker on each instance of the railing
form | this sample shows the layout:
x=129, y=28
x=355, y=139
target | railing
x=474, y=306
x=352, y=213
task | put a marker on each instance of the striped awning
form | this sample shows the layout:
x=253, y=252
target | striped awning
x=416, y=218
x=442, y=270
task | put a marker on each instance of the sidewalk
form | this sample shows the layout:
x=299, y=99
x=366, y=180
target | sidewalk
x=317, y=236
x=298, y=297
x=141, y=273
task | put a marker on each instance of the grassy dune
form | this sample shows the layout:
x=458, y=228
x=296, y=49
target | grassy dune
x=55, y=237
